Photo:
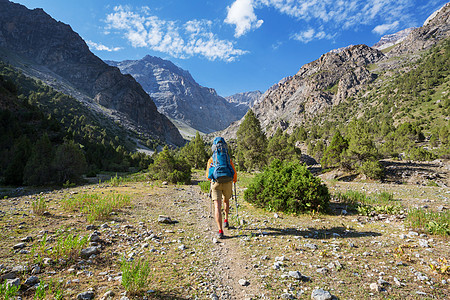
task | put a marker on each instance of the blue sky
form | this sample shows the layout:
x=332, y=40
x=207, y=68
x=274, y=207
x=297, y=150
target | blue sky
x=233, y=46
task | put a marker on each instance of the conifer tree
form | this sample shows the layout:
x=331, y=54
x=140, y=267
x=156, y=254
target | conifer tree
x=38, y=169
x=195, y=152
x=251, y=143
x=281, y=147
x=332, y=155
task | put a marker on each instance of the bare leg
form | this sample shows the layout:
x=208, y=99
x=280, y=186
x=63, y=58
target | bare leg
x=218, y=213
x=226, y=207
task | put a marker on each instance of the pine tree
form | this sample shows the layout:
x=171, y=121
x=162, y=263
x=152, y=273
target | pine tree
x=195, y=152
x=251, y=143
x=69, y=162
x=332, y=155
x=281, y=147
x=38, y=169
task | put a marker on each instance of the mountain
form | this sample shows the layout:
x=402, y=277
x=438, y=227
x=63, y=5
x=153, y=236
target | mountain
x=343, y=78
x=392, y=39
x=49, y=50
x=178, y=96
x=244, y=101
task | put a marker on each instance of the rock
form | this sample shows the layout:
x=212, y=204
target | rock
x=13, y=282
x=423, y=243
x=86, y=253
x=320, y=294
x=36, y=270
x=47, y=261
x=287, y=296
x=277, y=265
x=91, y=227
x=441, y=208
x=182, y=247
x=165, y=220
x=397, y=282
x=214, y=297
x=215, y=241
x=94, y=237
x=295, y=274
x=27, y=239
x=375, y=287
x=32, y=280
x=19, y=246
x=86, y=295
x=322, y=270
x=165, y=183
x=9, y=275
x=108, y=295
x=311, y=246
x=244, y=282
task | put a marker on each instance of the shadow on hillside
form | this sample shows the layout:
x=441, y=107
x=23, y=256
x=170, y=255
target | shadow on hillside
x=312, y=233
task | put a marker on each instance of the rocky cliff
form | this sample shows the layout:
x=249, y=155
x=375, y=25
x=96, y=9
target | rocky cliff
x=178, y=96
x=39, y=45
x=317, y=85
x=244, y=101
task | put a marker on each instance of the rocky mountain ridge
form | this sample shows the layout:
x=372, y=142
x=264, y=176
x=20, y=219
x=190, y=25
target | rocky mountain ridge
x=178, y=96
x=40, y=46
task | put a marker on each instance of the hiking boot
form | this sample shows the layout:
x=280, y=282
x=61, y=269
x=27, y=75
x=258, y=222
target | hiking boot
x=226, y=225
x=220, y=235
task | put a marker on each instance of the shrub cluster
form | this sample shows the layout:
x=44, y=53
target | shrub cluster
x=288, y=187
x=168, y=167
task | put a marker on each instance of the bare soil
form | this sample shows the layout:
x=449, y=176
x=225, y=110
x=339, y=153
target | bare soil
x=341, y=253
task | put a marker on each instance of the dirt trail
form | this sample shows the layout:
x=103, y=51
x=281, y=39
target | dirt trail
x=230, y=265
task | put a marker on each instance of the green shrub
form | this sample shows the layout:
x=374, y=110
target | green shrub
x=170, y=168
x=420, y=154
x=288, y=187
x=135, y=275
x=69, y=247
x=372, y=169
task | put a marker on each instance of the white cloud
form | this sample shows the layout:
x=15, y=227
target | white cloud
x=178, y=40
x=242, y=15
x=334, y=16
x=381, y=29
x=311, y=34
x=100, y=47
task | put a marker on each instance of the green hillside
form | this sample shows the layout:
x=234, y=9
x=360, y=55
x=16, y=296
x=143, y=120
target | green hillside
x=43, y=131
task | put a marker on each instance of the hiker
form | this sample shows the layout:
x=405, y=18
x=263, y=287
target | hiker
x=221, y=172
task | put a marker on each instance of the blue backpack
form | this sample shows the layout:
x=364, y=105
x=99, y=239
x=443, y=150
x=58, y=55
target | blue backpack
x=221, y=169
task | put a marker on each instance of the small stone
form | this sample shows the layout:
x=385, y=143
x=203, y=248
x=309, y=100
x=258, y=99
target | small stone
x=86, y=295
x=397, y=282
x=94, y=238
x=423, y=243
x=403, y=236
x=19, y=246
x=32, y=280
x=215, y=241
x=311, y=246
x=243, y=282
x=108, y=295
x=441, y=208
x=214, y=297
x=27, y=239
x=13, y=282
x=412, y=234
x=91, y=227
x=36, y=270
x=86, y=253
x=276, y=216
x=165, y=220
x=287, y=296
x=320, y=294
x=277, y=265
x=375, y=287
x=47, y=261
x=182, y=247
x=165, y=183
x=444, y=282
x=322, y=270
x=264, y=257
x=295, y=274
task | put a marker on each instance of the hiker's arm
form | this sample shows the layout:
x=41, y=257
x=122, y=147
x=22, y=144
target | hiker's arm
x=235, y=173
x=207, y=168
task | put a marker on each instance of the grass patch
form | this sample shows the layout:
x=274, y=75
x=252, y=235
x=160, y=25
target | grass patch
x=96, y=207
x=50, y=290
x=8, y=291
x=69, y=247
x=39, y=206
x=205, y=186
x=437, y=223
x=135, y=275
x=381, y=203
